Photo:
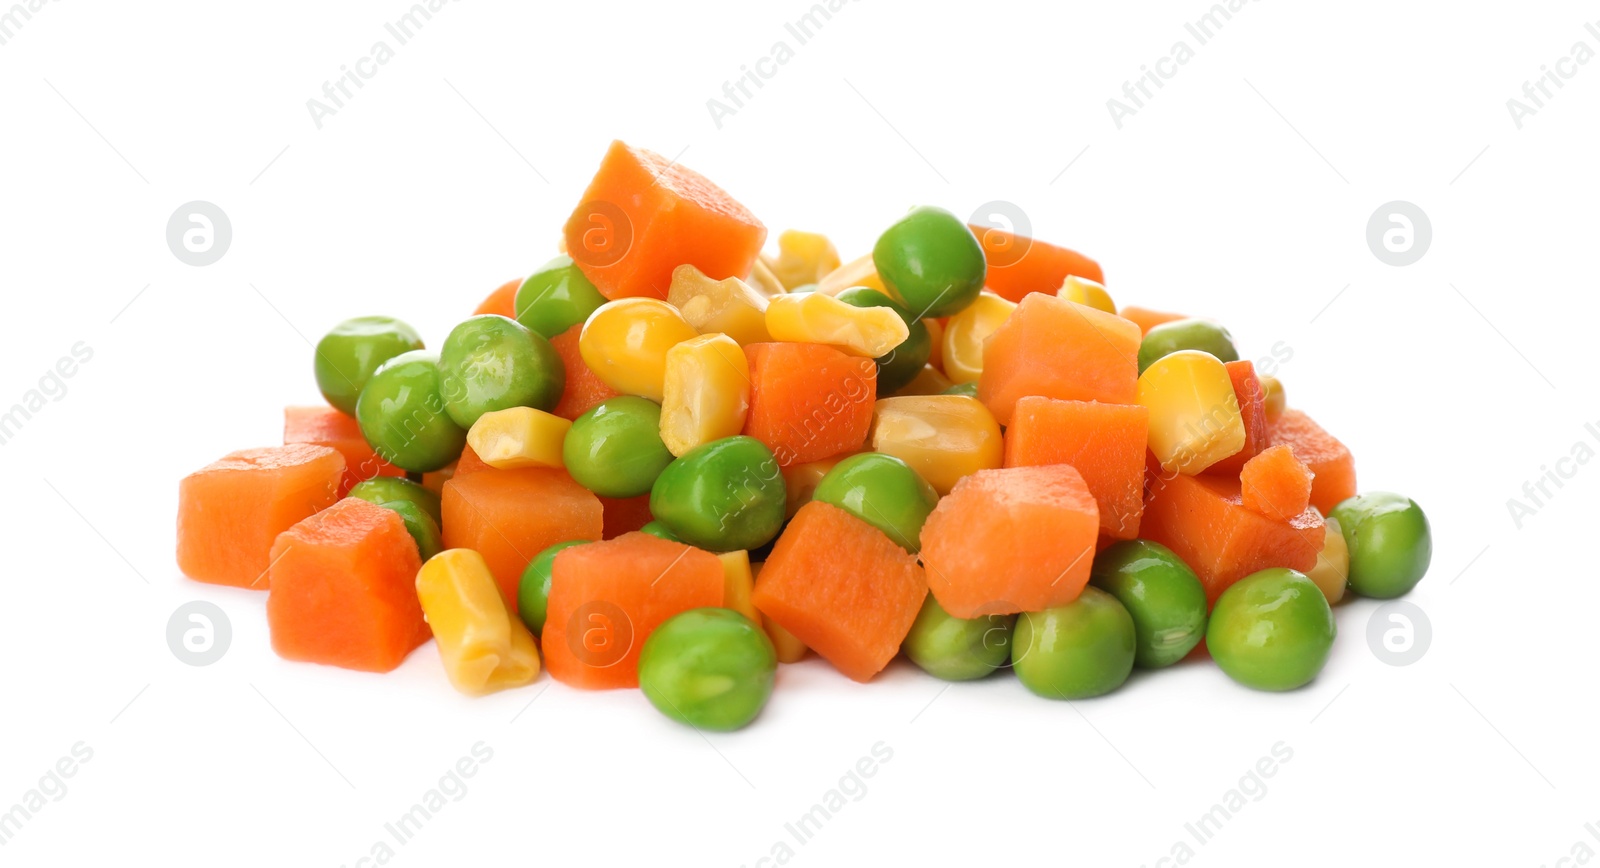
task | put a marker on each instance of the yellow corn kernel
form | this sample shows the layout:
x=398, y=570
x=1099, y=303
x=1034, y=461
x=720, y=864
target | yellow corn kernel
x=790, y=649
x=803, y=257
x=706, y=392
x=1332, y=572
x=763, y=280
x=1194, y=415
x=1086, y=292
x=964, y=335
x=800, y=482
x=625, y=343
x=484, y=647
x=729, y=306
x=942, y=437
x=812, y=317
x=856, y=272
x=519, y=437
x=928, y=381
x=737, y=581
x=1276, y=399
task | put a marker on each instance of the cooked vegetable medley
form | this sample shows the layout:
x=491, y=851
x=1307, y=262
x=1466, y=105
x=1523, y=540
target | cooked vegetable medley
x=669, y=461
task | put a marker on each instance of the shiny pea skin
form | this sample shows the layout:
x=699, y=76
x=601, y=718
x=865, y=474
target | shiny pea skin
x=722, y=496
x=1390, y=543
x=402, y=415
x=969, y=389
x=491, y=362
x=555, y=298
x=1186, y=334
x=1077, y=651
x=419, y=524
x=1271, y=630
x=348, y=356
x=712, y=669
x=1162, y=595
x=533, y=591
x=900, y=365
x=882, y=491
x=381, y=489
x=614, y=449
x=657, y=529
x=958, y=649
x=931, y=262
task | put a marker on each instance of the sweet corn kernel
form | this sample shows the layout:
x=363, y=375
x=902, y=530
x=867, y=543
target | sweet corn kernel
x=518, y=437
x=803, y=257
x=763, y=280
x=1194, y=415
x=928, y=381
x=1276, y=399
x=1086, y=292
x=729, y=306
x=1332, y=572
x=737, y=582
x=856, y=272
x=964, y=334
x=942, y=437
x=625, y=343
x=706, y=392
x=800, y=482
x=811, y=317
x=483, y=646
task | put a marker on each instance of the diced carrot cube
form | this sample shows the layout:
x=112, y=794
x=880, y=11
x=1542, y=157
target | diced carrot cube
x=231, y=511
x=1057, y=349
x=1147, y=319
x=1104, y=442
x=1019, y=265
x=503, y=301
x=584, y=389
x=1252, y=411
x=1275, y=484
x=510, y=516
x=1329, y=460
x=325, y=426
x=809, y=401
x=344, y=589
x=622, y=515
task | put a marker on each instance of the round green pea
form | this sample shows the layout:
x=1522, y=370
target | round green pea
x=900, y=365
x=722, y=496
x=490, y=362
x=382, y=489
x=348, y=356
x=1186, y=334
x=402, y=414
x=931, y=262
x=882, y=491
x=1162, y=595
x=1083, y=649
x=1271, y=630
x=712, y=669
x=555, y=298
x=969, y=389
x=958, y=649
x=533, y=591
x=1389, y=540
x=614, y=449
x=657, y=529
x=419, y=524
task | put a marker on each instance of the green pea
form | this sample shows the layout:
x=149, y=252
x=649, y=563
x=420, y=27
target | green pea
x=382, y=489
x=402, y=414
x=656, y=528
x=882, y=491
x=615, y=448
x=958, y=649
x=1162, y=595
x=969, y=389
x=709, y=668
x=900, y=365
x=533, y=591
x=490, y=362
x=348, y=356
x=722, y=496
x=1082, y=649
x=1186, y=334
x=1389, y=540
x=931, y=262
x=1271, y=630
x=555, y=298
x=419, y=524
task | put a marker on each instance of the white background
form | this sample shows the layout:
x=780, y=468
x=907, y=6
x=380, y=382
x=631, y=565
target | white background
x=1241, y=191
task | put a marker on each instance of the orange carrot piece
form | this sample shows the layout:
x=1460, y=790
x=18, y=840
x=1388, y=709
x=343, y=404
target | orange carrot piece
x=325, y=426
x=1275, y=484
x=1147, y=319
x=584, y=389
x=1057, y=349
x=510, y=516
x=1019, y=265
x=1329, y=460
x=1104, y=442
x=502, y=301
x=809, y=401
x=1253, y=410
